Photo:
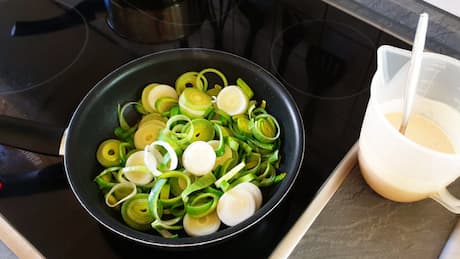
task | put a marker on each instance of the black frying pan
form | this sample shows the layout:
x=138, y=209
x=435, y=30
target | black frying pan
x=95, y=119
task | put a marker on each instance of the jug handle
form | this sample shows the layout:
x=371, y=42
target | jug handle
x=446, y=199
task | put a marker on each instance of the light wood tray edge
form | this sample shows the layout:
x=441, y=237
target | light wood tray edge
x=324, y=194
x=19, y=245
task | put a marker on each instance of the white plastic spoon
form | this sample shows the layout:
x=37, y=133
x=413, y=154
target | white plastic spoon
x=414, y=70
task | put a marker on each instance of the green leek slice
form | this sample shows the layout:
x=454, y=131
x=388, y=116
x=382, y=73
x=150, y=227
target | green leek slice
x=214, y=91
x=226, y=177
x=178, y=182
x=134, y=212
x=187, y=79
x=202, y=182
x=164, y=104
x=245, y=87
x=200, y=84
x=105, y=179
x=202, y=130
x=202, y=204
x=121, y=117
x=108, y=153
x=243, y=125
x=265, y=128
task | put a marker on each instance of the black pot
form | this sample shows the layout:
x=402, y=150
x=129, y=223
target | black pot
x=95, y=119
x=150, y=21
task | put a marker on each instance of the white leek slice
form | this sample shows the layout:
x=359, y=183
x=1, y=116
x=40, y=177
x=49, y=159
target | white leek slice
x=145, y=96
x=138, y=174
x=253, y=190
x=153, y=156
x=160, y=91
x=235, y=206
x=139, y=177
x=151, y=161
x=232, y=100
x=172, y=154
x=201, y=226
x=120, y=186
x=136, y=158
x=199, y=158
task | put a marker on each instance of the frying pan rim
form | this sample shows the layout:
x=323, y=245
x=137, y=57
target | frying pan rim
x=253, y=220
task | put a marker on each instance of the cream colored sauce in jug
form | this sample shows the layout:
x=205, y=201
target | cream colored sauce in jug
x=423, y=131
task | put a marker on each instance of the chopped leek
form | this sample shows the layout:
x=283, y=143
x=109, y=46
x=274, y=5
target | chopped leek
x=196, y=156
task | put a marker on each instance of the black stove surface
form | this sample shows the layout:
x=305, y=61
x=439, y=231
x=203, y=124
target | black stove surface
x=54, y=51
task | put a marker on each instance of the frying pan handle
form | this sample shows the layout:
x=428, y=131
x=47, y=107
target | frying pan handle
x=30, y=135
x=41, y=180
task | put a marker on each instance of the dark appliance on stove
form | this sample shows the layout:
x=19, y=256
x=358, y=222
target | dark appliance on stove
x=45, y=70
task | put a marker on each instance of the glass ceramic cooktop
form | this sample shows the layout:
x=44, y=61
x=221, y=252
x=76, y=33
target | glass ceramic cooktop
x=53, y=51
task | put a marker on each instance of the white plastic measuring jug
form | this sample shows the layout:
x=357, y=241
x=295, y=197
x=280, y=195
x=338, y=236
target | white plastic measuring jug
x=394, y=166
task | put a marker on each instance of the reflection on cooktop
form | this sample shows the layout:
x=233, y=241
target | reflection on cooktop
x=24, y=57
x=309, y=58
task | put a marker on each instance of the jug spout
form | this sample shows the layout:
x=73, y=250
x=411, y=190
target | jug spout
x=390, y=60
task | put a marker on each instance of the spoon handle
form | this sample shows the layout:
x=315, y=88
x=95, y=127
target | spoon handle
x=414, y=70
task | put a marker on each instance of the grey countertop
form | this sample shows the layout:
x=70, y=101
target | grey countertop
x=399, y=18
x=358, y=223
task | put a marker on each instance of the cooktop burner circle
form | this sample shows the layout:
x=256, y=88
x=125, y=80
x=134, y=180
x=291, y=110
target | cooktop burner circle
x=323, y=59
x=38, y=46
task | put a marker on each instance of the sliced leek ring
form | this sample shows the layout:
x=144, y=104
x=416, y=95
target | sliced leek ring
x=254, y=190
x=152, y=154
x=135, y=212
x=199, y=158
x=127, y=188
x=135, y=169
x=145, y=97
x=201, y=226
x=152, y=116
x=146, y=134
x=153, y=92
x=194, y=103
x=187, y=78
x=232, y=100
x=202, y=130
x=108, y=153
x=235, y=206
x=184, y=109
x=138, y=174
x=164, y=104
x=136, y=158
x=151, y=161
x=220, y=160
